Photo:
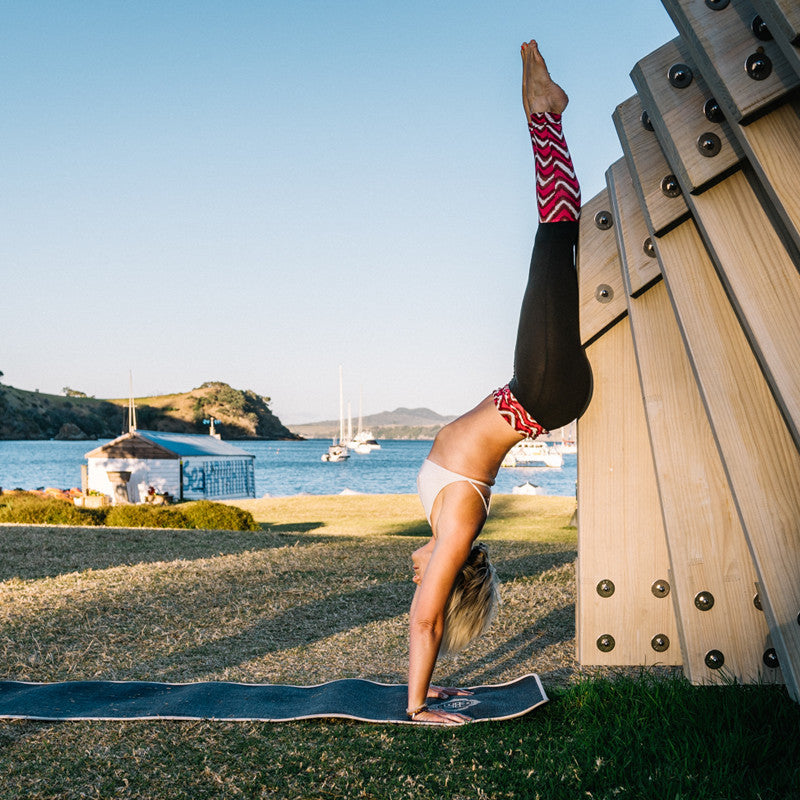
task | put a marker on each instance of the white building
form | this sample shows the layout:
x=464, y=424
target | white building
x=187, y=466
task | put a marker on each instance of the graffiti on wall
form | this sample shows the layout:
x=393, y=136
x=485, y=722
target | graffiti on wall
x=228, y=478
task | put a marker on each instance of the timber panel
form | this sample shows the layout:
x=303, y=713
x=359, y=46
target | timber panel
x=706, y=361
x=708, y=551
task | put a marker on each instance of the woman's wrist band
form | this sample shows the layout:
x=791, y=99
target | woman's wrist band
x=418, y=710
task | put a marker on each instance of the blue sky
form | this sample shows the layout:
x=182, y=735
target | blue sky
x=258, y=192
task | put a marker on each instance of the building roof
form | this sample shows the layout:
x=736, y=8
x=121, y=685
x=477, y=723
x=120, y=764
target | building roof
x=158, y=445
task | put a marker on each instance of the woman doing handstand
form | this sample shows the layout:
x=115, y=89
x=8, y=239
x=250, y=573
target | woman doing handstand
x=456, y=594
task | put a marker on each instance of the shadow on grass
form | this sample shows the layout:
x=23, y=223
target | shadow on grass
x=530, y=566
x=297, y=626
x=34, y=552
x=556, y=627
x=291, y=527
x=420, y=528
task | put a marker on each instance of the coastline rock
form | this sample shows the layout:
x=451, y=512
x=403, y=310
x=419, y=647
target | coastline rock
x=238, y=414
x=70, y=432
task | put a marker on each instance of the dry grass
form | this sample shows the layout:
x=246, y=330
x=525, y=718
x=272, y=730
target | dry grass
x=321, y=594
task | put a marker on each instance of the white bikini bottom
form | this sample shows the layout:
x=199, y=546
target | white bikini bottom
x=432, y=479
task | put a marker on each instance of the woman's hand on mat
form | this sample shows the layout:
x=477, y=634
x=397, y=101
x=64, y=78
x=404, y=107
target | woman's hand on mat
x=443, y=692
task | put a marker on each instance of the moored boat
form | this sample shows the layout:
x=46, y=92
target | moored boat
x=529, y=452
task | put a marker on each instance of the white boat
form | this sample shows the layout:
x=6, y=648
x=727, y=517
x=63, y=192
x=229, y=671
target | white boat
x=362, y=448
x=338, y=450
x=529, y=452
x=364, y=441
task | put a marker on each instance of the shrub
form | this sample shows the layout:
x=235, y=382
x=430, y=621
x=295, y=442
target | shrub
x=34, y=509
x=146, y=517
x=217, y=516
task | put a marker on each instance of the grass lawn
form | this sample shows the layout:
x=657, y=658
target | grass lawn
x=321, y=593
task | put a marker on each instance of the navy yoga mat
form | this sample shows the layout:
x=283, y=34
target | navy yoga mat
x=351, y=699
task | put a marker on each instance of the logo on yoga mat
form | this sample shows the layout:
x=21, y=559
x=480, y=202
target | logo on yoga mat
x=456, y=704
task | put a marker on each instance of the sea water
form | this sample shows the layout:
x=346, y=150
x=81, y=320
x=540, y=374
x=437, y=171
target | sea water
x=281, y=468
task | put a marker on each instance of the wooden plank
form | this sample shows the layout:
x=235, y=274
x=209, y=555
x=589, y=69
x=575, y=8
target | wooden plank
x=758, y=270
x=602, y=296
x=656, y=186
x=620, y=533
x=621, y=543
x=639, y=263
x=782, y=18
x=770, y=142
x=772, y=145
x=722, y=40
x=708, y=551
x=760, y=457
x=676, y=113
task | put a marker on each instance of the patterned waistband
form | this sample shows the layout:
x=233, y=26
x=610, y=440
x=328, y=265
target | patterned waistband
x=515, y=415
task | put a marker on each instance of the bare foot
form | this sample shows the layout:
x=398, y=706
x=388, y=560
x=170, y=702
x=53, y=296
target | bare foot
x=539, y=92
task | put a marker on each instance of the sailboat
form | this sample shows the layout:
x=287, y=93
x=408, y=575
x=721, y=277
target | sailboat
x=338, y=450
x=363, y=442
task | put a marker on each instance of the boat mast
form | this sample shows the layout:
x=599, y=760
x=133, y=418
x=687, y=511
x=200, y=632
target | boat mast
x=131, y=405
x=341, y=407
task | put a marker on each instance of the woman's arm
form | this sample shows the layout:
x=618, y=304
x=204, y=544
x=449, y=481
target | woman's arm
x=460, y=519
x=427, y=616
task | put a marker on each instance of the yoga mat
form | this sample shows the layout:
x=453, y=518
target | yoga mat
x=356, y=699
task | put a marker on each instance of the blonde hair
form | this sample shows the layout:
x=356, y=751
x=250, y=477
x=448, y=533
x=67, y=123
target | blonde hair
x=472, y=603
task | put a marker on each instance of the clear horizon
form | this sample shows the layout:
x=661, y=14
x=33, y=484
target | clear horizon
x=257, y=193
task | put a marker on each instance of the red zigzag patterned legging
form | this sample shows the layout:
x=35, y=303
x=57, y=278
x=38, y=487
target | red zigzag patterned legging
x=558, y=193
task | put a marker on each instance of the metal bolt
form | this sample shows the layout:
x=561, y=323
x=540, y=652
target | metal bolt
x=712, y=110
x=660, y=588
x=757, y=603
x=704, y=601
x=646, y=124
x=714, y=659
x=603, y=220
x=605, y=643
x=606, y=588
x=670, y=186
x=717, y=5
x=760, y=29
x=680, y=75
x=604, y=293
x=649, y=248
x=709, y=144
x=660, y=642
x=770, y=659
x=758, y=66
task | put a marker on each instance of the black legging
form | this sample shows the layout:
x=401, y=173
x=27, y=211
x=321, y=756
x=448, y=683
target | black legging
x=552, y=377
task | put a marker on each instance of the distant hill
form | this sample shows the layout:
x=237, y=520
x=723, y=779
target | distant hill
x=240, y=414
x=402, y=423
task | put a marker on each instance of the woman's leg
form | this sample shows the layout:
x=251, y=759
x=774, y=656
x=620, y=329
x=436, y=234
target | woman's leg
x=552, y=377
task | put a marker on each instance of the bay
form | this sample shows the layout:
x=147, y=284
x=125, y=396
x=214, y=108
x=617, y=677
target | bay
x=281, y=468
